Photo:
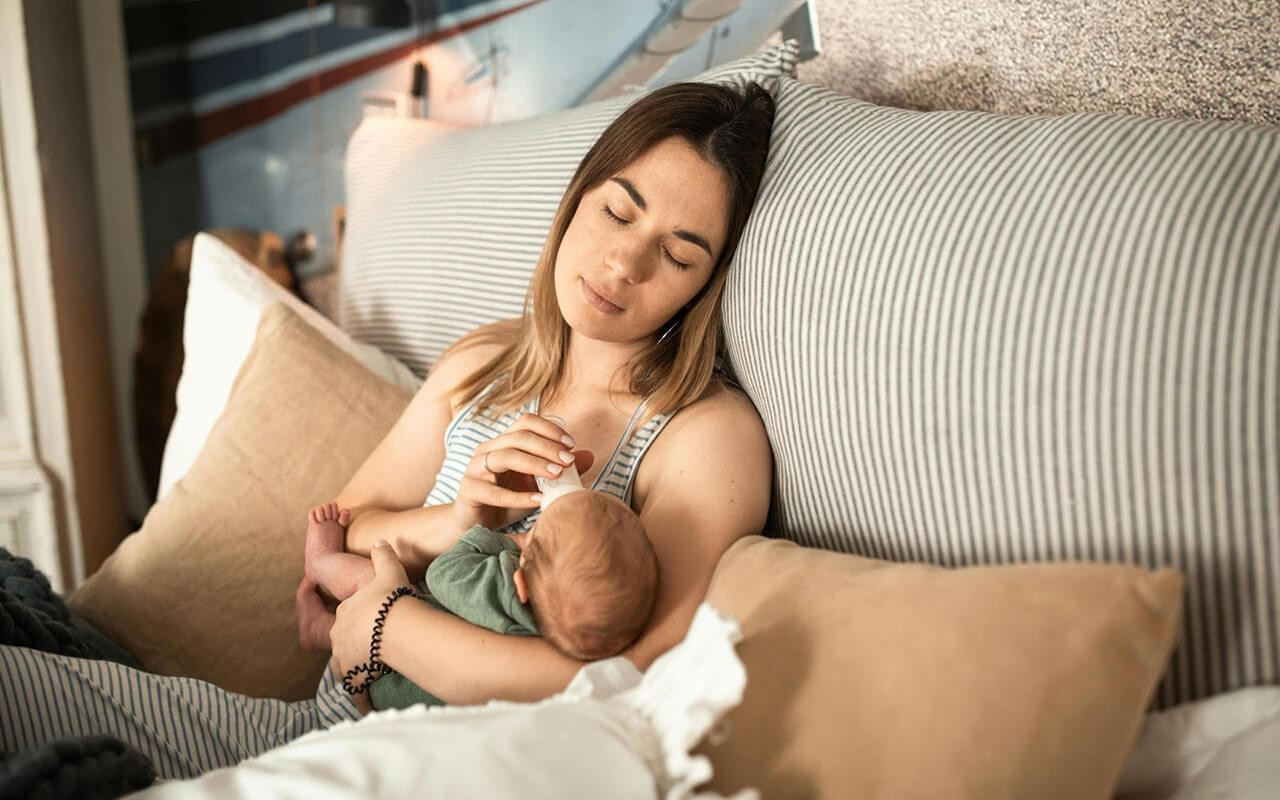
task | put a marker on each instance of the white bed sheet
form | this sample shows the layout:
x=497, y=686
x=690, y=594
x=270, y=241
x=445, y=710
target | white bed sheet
x=612, y=733
x=1226, y=746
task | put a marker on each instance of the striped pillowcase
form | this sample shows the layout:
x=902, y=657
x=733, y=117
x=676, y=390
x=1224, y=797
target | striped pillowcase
x=981, y=339
x=444, y=227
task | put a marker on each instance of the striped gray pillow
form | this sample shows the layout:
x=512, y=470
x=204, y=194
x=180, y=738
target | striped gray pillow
x=444, y=227
x=982, y=339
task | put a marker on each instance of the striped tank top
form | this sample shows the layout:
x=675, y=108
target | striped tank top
x=469, y=429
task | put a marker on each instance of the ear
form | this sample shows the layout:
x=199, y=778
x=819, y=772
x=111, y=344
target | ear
x=522, y=588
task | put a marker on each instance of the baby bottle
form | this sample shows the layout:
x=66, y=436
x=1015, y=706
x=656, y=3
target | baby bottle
x=567, y=481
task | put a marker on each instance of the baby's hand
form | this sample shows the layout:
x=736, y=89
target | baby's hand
x=521, y=539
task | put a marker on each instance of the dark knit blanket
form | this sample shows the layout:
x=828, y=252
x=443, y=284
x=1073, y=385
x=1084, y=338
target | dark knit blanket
x=32, y=615
x=85, y=768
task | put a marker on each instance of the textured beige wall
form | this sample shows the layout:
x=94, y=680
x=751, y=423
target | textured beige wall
x=1200, y=59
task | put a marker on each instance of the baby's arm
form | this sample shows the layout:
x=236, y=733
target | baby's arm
x=469, y=580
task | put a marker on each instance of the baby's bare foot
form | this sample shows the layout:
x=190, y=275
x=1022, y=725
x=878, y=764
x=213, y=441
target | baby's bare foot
x=314, y=620
x=326, y=533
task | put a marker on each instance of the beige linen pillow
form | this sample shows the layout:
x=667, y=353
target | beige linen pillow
x=870, y=679
x=206, y=587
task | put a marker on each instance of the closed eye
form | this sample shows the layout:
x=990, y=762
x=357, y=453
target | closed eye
x=608, y=212
x=679, y=264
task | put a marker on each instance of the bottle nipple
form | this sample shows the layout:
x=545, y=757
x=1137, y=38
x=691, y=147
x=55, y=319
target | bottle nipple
x=564, y=483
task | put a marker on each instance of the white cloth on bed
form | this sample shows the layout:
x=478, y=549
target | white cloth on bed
x=612, y=733
x=1227, y=746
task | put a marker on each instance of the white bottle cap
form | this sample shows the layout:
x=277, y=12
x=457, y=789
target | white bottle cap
x=566, y=482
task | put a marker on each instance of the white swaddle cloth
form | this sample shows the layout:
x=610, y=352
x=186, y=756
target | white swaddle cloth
x=611, y=733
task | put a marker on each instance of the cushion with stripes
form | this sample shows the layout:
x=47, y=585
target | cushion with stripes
x=981, y=339
x=445, y=226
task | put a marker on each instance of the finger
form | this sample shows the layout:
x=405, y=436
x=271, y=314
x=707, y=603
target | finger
x=386, y=564
x=344, y=517
x=543, y=427
x=482, y=492
x=528, y=441
x=311, y=515
x=508, y=459
x=552, y=450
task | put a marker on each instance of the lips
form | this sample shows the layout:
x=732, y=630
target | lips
x=596, y=297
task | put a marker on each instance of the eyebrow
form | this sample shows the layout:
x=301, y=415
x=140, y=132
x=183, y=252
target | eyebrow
x=636, y=198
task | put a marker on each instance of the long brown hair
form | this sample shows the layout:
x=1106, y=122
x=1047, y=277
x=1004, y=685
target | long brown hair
x=729, y=128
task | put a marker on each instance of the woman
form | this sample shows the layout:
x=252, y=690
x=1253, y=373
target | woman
x=622, y=326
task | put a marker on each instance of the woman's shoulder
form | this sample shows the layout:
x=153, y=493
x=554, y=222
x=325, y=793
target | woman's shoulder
x=719, y=399
x=713, y=446
x=720, y=427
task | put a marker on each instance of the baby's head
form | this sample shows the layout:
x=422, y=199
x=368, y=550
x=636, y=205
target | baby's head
x=589, y=575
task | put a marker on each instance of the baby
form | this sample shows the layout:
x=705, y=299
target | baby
x=584, y=577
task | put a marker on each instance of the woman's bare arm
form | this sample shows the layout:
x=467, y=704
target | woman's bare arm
x=708, y=487
x=718, y=450
x=386, y=493
x=464, y=664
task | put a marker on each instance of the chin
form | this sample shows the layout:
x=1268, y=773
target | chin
x=584, y=322
x=602, y=330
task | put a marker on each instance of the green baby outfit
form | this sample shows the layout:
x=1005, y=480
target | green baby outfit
x=472, y=579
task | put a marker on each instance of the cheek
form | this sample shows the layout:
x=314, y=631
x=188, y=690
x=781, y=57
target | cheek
x=691, y=289
x=572, y=248
x=568, y=266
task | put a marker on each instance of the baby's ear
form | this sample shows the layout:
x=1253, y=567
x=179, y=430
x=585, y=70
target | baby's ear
x=522, y=588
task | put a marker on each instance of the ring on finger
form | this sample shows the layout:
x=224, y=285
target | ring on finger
x=484, y=462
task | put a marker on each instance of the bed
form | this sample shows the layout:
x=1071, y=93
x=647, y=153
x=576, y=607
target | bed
x=1020, y=377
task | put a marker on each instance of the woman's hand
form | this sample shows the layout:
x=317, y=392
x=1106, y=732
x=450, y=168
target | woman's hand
x=501, y=472
x=352, y=630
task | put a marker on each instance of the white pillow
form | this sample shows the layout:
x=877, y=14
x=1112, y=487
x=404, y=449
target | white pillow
x=1191, y=745
x=1245, y=768
x=225, y=298
x=611, y=733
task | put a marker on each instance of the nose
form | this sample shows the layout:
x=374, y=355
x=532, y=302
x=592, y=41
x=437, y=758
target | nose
x=629, y=259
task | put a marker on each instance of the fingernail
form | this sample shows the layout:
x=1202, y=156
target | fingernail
x=537, y=498
x=566, y=456
x=555, y=469
x=380, y=543
x=567, y=439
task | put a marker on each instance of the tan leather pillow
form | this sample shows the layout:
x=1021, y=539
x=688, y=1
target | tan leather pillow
x=876, y=680
x=206, y=587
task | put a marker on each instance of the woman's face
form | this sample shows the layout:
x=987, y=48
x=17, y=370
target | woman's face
x=642, y=244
